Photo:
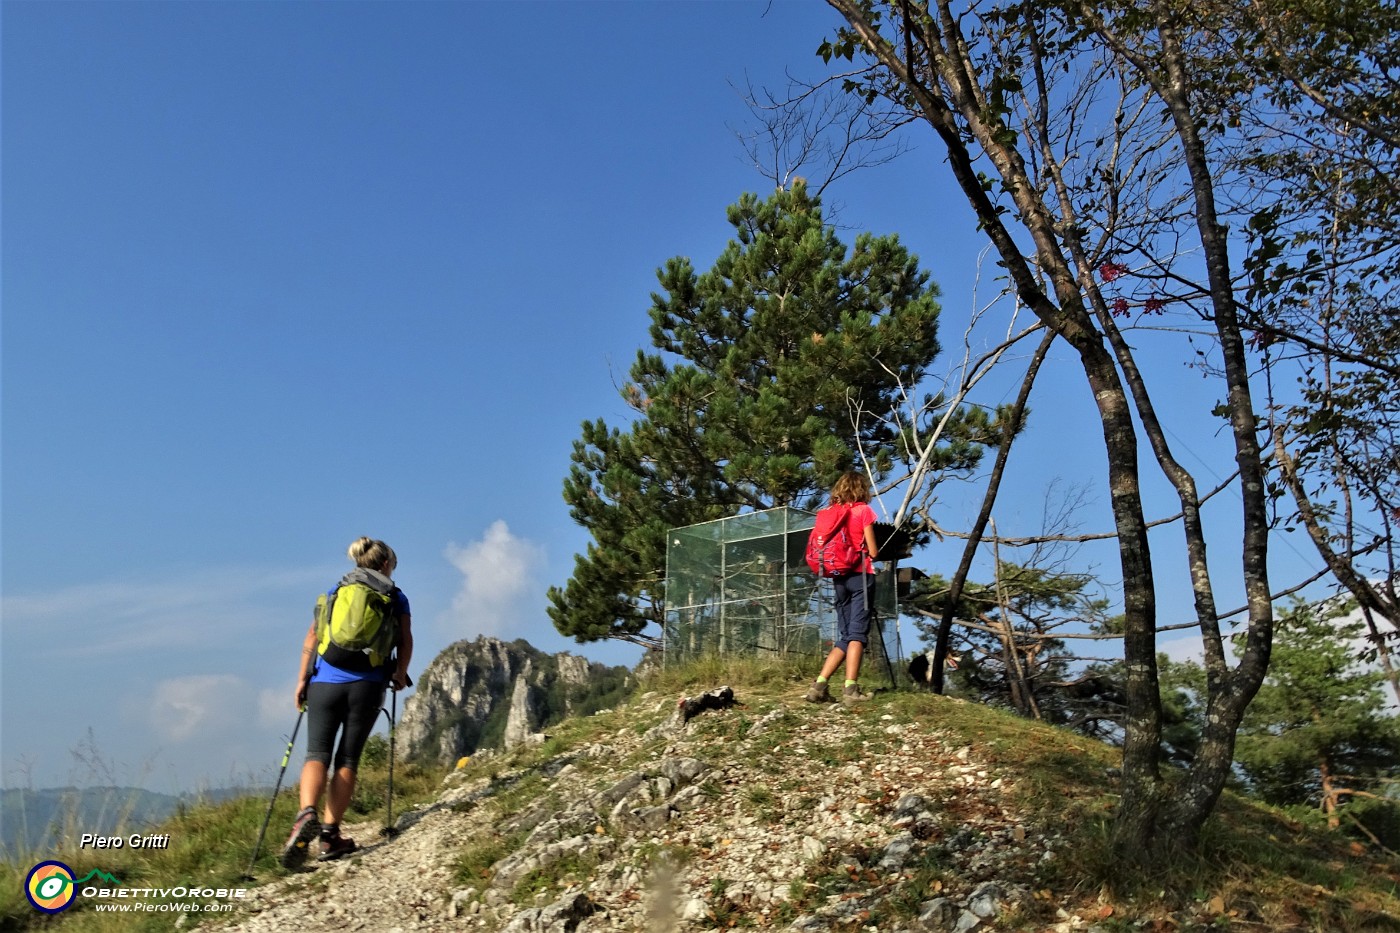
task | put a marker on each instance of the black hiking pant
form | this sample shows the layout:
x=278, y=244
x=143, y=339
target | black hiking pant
x=349, y=709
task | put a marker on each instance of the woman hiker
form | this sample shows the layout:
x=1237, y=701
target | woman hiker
x=342, y=690
x=855, y=591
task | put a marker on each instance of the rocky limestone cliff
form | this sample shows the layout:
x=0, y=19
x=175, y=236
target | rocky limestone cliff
x=489, y=693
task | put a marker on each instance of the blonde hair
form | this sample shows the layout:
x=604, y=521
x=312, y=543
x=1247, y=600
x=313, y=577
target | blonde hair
x=852, y=487
x=373, y=555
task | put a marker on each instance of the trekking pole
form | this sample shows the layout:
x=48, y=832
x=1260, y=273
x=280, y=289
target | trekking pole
x=389, y=828
x=898, y=642
x=286, y=756
x=875, y=623
x=894, y=684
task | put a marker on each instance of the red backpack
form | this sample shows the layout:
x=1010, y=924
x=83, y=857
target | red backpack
x=830, y=551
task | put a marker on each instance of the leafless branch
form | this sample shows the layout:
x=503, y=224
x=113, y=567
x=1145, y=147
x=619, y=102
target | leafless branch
x=818, y=129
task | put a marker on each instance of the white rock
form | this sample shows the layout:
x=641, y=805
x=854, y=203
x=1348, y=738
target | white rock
x=694, y=908
x=967, y=922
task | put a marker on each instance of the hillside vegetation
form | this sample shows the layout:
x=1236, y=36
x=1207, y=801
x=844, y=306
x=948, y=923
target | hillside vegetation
x=908, y=812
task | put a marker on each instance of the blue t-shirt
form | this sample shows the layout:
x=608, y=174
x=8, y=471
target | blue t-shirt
x=328, y=673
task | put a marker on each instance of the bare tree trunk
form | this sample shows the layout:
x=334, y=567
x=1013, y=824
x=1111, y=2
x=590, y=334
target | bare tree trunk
x=1228, y=692
x=989, y=498
x=1021, y=693
x=1330, y=795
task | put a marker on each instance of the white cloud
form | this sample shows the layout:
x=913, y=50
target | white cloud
x=497, y=582
x=197, y=667
x=1183, y=648
x=275, y=705
x=202, y=706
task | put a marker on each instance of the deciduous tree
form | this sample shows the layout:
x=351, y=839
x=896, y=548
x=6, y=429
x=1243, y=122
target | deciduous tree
x=1099, y=147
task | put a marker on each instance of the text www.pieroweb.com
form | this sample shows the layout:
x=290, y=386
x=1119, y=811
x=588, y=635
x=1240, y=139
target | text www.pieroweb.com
x=161, y=908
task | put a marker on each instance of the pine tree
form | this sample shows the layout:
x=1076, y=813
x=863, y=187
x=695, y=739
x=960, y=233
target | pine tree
x=773, y=369
x=1007, y=649
x=1316, y=733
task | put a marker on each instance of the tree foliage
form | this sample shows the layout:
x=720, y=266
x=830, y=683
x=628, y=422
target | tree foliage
x=1320, y=157
x=1317, y=732
x=771, y=374
x=1011, y=647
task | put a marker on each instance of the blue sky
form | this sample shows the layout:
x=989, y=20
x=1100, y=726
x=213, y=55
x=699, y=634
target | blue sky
x=277, y=275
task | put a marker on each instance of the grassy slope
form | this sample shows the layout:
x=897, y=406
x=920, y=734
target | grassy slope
x=1258, y=869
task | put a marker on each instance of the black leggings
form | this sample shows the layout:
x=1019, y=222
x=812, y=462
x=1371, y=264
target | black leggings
x=350, y=708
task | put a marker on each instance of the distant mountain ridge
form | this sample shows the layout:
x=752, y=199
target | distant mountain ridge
x=30, y=820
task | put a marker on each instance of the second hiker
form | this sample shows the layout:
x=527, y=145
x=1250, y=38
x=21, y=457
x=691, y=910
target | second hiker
x=855, y=591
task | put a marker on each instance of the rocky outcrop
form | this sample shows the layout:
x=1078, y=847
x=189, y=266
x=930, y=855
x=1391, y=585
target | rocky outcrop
x=518, y=720
x=786, y=816
x=489, y=693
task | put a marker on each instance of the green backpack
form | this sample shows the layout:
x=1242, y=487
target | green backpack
x=356, y=626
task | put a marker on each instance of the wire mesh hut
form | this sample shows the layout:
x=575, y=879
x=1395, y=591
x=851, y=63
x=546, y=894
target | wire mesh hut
x=741, y=586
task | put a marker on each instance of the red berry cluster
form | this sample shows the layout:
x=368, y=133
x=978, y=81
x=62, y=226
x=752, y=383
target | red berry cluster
x=1121, y=308
x=1112, y=270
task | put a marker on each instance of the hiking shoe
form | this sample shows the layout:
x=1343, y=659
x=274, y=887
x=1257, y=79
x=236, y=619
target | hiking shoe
x=304, y=829
x=854, y=694
x=336, y=847
x=819, y=693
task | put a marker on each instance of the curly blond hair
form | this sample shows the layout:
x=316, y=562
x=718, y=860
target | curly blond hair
x=852, y=487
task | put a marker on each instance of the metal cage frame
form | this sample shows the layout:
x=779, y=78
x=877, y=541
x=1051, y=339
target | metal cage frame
x=741, y=586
